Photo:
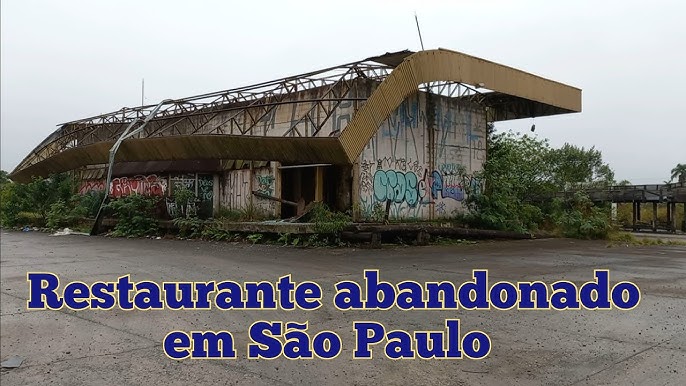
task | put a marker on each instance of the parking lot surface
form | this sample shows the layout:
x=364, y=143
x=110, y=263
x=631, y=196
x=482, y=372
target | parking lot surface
x=643, y=346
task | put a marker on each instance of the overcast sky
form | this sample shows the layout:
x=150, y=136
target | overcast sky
x=64, y=60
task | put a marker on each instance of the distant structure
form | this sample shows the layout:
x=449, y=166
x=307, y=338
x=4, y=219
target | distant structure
x=399, y=131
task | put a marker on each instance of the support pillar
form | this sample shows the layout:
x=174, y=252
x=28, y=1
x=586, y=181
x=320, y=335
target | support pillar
x=670, y=216
x=638, y=211
x=633, y=215
x=319, y=184
x=274, y=165
x=655, y=215
x=216, y=199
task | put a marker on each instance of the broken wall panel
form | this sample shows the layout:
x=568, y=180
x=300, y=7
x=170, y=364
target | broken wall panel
x=238, y=185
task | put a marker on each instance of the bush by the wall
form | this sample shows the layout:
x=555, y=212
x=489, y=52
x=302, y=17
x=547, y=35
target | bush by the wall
x=135, y=215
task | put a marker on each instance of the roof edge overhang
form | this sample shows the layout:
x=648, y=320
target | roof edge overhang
x=196, y=147
x=446, y=65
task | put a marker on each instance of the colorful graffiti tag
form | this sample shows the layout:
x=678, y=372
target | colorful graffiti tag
x=87, y=187
x=391, y=185
x=407, y=187
x=265, y=184
x=424, y=160
x=150, y=185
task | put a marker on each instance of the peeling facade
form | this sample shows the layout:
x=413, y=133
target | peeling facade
x=419, y=158
x=402, y=133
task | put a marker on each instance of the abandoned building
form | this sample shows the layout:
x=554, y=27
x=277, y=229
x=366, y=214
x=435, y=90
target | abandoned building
x=402, y=129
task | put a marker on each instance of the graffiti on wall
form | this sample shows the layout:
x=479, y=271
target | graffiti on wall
x=237, y=189
x=186, y=181
x=205, y=188
x=407, y=187
x=89, y=186
x=423, y=165
x=237, y=193
x=150, y=185
x=265, y=184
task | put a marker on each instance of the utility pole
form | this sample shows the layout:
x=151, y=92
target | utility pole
x=143, y=92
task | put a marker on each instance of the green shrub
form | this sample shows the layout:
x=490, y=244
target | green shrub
x=58, y=215
x=35, y=197
x=32, y=219
x=584, y=220
x=134, y=214
x=214, y=231
x=184, y=199
x=191, y=227
x=522, y=174
x=9, y=205
x=327, y=221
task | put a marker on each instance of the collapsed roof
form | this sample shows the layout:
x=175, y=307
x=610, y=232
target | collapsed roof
x=187, y=129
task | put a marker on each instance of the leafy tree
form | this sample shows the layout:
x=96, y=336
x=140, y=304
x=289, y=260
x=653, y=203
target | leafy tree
x=9, y=203
x=35, y=198
x=39, y=195
x=679, y=172
x=524, y=173
x=4, y=177
x=574, y=167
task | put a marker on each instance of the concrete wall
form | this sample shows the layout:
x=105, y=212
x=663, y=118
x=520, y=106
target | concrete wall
x=237, y=187
x=161, y=185
x=277, y=120
x=414, y=159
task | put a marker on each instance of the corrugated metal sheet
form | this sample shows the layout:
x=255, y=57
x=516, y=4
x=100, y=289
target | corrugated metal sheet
x=176, y=166
x=445, y=65
x=291, y=150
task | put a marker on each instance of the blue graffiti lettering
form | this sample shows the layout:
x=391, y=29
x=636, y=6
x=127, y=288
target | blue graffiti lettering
x=391, y=185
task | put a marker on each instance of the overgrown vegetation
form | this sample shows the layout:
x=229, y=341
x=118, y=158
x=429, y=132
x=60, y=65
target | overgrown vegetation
x=616, y=239
x=135, y=215
x=517, y=190
x=327, y=221
x=45, y=202
x=522, y=174
x=250, y=212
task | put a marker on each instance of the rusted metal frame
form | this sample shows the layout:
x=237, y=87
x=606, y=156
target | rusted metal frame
x=188, y=118
x=232, y=118
x=242, y=95
x=331, y=89
x=41, y=154
x=165, y=126
x=331, y=111
x=246, y=113
x=240, y=109
x=326, y=118
x=254, y=121
x=94, y=128
x=277, y=100
x=206, y=122
x=214, y=113
x=143, y=111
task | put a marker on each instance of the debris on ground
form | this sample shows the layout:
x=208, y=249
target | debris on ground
x=67, y=231
x=12, y=362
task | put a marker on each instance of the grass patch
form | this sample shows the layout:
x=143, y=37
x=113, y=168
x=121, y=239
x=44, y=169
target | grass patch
x=616, y=239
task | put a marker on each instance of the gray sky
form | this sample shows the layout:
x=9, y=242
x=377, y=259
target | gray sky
x=72, y=59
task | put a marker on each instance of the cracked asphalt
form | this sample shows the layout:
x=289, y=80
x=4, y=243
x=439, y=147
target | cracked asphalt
x=644, y=346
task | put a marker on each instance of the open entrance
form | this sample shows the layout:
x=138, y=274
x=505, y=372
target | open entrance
x=304, y=184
